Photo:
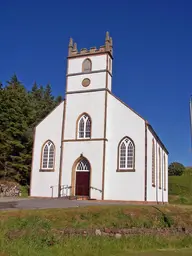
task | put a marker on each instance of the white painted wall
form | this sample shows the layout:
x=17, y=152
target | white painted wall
x=109, y=82
x=165, y=197
x=48, y=129
x=151, y=191
x=93, y=151
x=124, y=122
x=154, y=193
x=98, y=63
x=91, y=103
x=110, y=59
x=121, y=122
x=98, y=81
x=160, y=198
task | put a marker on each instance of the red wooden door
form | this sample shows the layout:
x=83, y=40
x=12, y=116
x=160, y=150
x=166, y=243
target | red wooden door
x=82, y=183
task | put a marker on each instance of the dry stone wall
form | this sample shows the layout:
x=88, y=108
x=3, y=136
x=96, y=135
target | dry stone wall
x=9, y=189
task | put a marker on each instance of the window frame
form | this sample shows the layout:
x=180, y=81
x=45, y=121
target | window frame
x=84, y=130
x=83, y=68
x=44, y=169
x=126, y=156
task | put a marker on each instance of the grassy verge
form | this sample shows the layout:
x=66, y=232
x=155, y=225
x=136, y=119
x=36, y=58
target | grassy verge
x=46, y=245
x=24, y=192
x=180, y=188
x=33, y=232
x=101, y=217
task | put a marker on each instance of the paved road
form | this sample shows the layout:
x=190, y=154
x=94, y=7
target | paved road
x=29, y=203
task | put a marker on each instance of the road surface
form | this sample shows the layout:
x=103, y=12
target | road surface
x=31, y=203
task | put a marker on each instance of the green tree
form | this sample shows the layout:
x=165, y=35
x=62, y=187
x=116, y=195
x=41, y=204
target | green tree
x=14, y=116
x=20, y=112
x=176, y=169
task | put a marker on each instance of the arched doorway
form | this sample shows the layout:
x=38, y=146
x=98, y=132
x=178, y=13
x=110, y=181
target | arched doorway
x=82, y=178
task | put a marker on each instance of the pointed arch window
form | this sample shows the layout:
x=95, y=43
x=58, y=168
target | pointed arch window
x=84, y=127
x=87, y=65
x=153, y=163
x=48, y=156
x=126, y=155
x=83, y=165
x=160, y=180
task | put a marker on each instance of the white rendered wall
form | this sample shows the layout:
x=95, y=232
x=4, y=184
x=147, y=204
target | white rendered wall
x=151, y=191
x=48, y=129
x=93, y=151
x=160, y=198
x=156, y=194
x=110, y=59
x=165, y=197
x=109, y=83
x=164, y=190
x=110, y=70
x=98, y=63
x=121, y=122
x=93, y=104
x=98, y=81
x=159, y=194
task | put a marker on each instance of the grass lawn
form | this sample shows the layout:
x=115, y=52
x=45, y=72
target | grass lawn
x=180, y=188
x=37, y=232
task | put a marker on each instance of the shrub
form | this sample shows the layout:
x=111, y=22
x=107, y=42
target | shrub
x=176, y=169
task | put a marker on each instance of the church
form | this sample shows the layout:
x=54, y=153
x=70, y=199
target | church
x=93, y=145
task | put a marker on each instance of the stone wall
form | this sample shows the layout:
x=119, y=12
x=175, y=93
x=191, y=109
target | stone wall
x=9, y=189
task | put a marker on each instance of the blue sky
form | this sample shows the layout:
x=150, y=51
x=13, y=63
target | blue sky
x=152, y=67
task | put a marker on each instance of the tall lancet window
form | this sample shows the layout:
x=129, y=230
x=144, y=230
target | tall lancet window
x=126, y=155
x=153, y=162
x=87, y=65
x=48, y=155
x=84, y=127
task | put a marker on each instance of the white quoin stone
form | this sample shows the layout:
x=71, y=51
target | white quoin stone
x=91, y=166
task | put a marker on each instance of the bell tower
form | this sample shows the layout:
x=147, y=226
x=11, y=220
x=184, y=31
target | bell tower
x=88, y=83
x=89, y=70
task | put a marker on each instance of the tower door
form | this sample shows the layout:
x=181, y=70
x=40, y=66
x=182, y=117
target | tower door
x=82, y=187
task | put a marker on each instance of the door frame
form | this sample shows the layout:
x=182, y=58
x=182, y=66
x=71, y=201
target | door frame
x=73, y=175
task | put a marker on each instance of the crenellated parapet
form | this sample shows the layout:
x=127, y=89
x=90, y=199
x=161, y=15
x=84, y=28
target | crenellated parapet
x=108, y=47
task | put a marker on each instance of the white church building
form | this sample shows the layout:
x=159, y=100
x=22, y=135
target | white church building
x=93, y=145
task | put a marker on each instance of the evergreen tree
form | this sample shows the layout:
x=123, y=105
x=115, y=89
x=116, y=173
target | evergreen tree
x=58, y=100
x=15, y=111
x=20, y=112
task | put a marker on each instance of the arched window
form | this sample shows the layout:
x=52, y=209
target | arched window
x=165, y=173
x=159, y=168
x=153, y=162
x=87, y=65
x=48, y=155
x=126, y=155
x=84, y=127
x=83, y=165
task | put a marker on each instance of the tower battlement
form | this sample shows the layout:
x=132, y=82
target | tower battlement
x=108, y=47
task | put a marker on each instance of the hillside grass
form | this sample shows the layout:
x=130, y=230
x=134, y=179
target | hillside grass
x=121, y=216
x=180, y=188
x=35, y=232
